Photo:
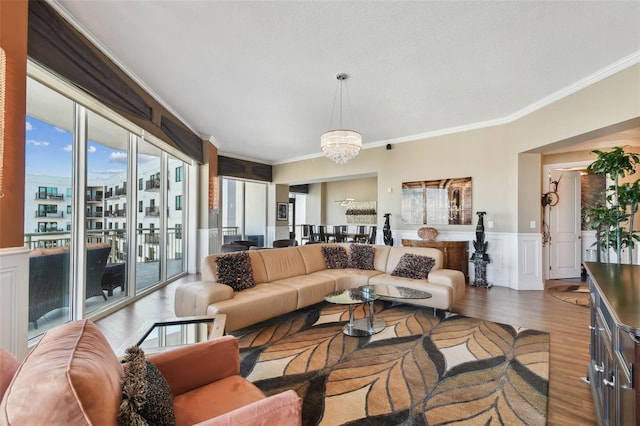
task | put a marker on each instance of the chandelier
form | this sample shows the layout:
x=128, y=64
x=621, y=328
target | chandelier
x=341, y=145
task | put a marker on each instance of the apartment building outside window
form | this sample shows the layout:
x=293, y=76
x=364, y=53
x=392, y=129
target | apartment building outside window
x=65, y=158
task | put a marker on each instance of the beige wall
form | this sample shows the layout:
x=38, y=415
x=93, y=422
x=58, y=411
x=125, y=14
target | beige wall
x=315, y=201
x=365, y=189
x=505, y=185
x=529, y=208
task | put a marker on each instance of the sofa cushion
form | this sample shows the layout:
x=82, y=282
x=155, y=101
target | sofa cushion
x=72, y=376
x=283, y=263
x=146, y=396
x=312, y=257
x=361, y=256
x=413, y=266
x=335, y=257
x=256, y=304
x=235, y=271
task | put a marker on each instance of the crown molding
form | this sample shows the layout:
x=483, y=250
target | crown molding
x=608, y=71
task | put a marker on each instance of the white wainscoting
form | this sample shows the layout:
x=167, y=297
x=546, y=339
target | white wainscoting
x=515, y=258
x=14, y=300
x=529, y=262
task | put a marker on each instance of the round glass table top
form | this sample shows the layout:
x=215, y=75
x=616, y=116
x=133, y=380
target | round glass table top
x=350, y=296
x=395, y=292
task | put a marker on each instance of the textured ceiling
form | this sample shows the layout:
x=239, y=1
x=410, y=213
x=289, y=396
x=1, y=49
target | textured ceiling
x=258, y=78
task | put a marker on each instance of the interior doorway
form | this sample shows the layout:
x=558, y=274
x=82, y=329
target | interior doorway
x=567, y=240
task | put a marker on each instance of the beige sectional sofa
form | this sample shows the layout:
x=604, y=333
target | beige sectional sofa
x=294, y=277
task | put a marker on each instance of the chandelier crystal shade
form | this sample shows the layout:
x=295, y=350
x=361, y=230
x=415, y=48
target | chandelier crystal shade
x=341, y=145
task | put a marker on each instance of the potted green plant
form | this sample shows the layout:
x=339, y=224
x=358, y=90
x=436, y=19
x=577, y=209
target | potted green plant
x=621, y=202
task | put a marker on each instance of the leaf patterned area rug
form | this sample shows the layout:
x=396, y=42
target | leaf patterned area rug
x=420, y=370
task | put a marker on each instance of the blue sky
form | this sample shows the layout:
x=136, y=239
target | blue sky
x=48, y=152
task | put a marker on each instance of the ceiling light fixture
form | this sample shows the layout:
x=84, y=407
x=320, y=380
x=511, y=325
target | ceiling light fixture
x=341, y=145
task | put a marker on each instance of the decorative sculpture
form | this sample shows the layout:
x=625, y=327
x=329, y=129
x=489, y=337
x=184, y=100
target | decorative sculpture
x=480, y=258
x=386, y=230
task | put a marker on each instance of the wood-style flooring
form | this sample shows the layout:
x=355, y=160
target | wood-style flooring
x=570, y=400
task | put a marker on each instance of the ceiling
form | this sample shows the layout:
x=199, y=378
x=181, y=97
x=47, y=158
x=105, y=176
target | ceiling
x=257, y=78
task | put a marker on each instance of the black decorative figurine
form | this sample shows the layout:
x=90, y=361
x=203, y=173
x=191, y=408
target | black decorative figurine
x=480, y=258
x=386, y=230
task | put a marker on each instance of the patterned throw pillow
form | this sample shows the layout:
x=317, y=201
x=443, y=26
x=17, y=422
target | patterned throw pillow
x=361, y=256
x=235, y=270
x=413, y=266
x=146, y=396
x=335, y=257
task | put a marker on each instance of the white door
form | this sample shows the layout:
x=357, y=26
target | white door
x=564, y=223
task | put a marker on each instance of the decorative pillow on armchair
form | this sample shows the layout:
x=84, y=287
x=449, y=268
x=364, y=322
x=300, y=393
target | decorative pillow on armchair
x=413, y=266
x=235, y=270
x=335, y=257
x=146, y=396
x=361, y=256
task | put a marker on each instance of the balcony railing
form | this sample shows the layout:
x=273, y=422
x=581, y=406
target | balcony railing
x=45, y=196
x=152, y=185
x=121, y=191
x=152, y=211
x=152, y=238
x=116, y=213
x=116, y=238
x=94, y=198
x=50, y=215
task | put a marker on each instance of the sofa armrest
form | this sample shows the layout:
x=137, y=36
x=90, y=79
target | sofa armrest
x=194, y=298
x=193, y=366
x=451, y=278
x=283, y=409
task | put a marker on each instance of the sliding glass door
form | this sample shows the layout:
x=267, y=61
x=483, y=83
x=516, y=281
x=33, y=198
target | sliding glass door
x=244, y=211
x=105, y=208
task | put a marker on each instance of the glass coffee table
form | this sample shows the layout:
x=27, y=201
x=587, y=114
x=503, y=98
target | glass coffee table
x=368, y=294
x=156, y=336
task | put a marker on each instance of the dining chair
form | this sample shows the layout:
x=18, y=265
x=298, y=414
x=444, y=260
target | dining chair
x=322, y=233
x=360, y=235
x=311, y=233
x=371, y=239
x=339, y=233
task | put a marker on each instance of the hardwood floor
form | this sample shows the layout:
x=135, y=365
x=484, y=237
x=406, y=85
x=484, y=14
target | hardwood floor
x=570, y=400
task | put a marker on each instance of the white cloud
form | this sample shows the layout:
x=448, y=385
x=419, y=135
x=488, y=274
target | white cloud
x=60, y=130
x=68, y=148
x=144, y=158
x=91, y=149
x=28, y=126
x=106, y=173
x=118, y=157
x=37, y=143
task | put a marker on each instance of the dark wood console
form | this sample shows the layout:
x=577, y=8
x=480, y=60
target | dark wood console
x=614, y=370
x=455, y=253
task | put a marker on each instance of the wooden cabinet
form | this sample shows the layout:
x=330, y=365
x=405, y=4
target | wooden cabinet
x=615, y=342
x=455, y=253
